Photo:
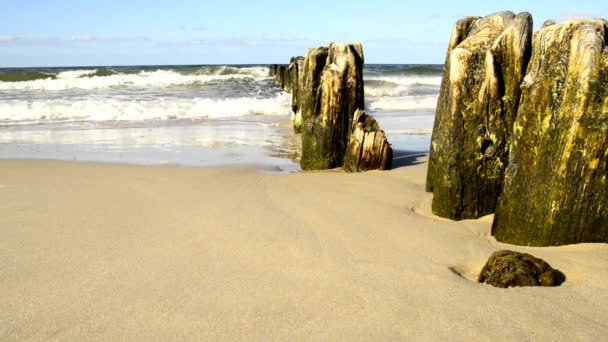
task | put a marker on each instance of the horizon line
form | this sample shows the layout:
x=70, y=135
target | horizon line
x=165, y=65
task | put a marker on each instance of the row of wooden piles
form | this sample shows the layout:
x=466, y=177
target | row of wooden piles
x=327, y=110
x=521, y=126
x=521, y=129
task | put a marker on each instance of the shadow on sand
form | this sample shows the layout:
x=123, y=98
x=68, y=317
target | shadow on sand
x=402, y=158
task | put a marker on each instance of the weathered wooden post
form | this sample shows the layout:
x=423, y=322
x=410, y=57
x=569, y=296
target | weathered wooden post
x=485, y=64
x=332, y=90
x=556, y=190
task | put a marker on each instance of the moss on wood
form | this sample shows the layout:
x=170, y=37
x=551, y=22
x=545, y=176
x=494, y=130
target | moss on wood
x=555, y=187
x=332, y=90
x=485, y=64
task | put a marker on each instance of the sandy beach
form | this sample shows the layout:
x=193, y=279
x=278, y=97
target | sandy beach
x=110, y=252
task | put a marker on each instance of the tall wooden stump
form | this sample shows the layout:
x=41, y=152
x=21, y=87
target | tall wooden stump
x=368, y=148
x=485, y=64
x=332, y=90
x=555, y=187
x=296, y=70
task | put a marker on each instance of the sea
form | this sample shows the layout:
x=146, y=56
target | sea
x=190, y=115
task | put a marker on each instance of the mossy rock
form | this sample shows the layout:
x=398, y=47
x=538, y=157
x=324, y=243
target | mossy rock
x=510, y=269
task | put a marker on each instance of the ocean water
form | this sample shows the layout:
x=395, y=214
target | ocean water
x=189, y=115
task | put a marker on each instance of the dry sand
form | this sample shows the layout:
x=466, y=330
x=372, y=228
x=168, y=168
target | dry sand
x=107, y=252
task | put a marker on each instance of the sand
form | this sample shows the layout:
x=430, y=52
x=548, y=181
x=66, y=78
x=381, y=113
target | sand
x=109, y=252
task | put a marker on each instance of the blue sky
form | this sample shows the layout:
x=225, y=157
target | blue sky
x=109, y=32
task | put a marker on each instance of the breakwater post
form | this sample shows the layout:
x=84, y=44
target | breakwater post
x=485, y=64
x=327, y=104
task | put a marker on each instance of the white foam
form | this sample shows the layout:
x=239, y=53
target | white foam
x=110, y=109
x=403, y=103
x=409, y=80
x=226, y=70
x=398, y=85
x=387, y=90
x=159, y=78
x=410, y=131
x=75, y=73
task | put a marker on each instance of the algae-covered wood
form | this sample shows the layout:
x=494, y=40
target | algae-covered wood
x=280, y=71
x=477, y=105
x=332, y=90
x=459, y=33
x=296, y=70
x=555, y=189
x=272, y=70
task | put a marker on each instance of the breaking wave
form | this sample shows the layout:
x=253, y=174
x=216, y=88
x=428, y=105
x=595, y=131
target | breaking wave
x=137, y=93
x=428, y=102
x=68, y=110
x=84, y=79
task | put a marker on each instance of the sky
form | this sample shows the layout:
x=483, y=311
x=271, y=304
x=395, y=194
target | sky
x=159, y=32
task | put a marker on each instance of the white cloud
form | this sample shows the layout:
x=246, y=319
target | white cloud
x=6, y=39
x=109, y=39
x=273, y=40
x=90, y=38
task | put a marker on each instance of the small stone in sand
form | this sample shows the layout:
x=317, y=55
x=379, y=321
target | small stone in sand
x=508, y=268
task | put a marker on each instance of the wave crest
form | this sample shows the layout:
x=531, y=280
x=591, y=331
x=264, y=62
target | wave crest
x=25, y=76
x=403, y=103
x=77, y=79
x=226, y=70
x=27, y=112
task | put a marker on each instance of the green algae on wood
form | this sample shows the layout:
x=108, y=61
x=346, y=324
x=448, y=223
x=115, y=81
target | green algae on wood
x=485, y=64
x=332, y=89
x=272, y=70
x=296, y=76
x=555, y=189
x=459, y=33
x=280, y=71
x=287, y=77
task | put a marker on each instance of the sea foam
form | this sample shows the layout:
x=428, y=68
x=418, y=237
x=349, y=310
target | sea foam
x=428, y=102
x=116, y=109
x=74, y=79
x=408, y=80
x=75, y=73
x=185, y=92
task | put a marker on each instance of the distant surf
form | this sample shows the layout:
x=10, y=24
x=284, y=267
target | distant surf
x=79, y=105
x=184, y=92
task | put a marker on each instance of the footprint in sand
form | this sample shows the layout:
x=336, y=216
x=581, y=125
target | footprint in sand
x=467, y=271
